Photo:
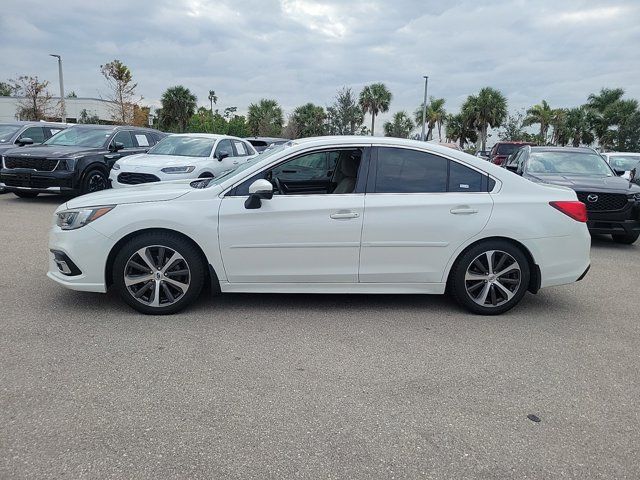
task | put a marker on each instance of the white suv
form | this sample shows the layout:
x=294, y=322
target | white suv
x=327, y=215
x=180, y=156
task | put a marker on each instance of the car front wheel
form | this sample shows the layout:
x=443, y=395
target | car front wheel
x=94, y=181
x=159, y=273
x=490, y=278
x=626, y=239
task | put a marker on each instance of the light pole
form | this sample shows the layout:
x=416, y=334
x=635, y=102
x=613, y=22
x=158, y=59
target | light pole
x=63, y=114
x=424, y=107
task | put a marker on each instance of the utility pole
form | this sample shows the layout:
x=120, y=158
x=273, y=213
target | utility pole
x=424, y=107
x=63, y=114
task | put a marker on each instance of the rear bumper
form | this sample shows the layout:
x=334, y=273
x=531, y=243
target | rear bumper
x=17, y=179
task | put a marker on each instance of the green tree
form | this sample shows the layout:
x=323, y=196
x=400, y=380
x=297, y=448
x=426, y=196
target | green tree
x=307, y=121
x=459, y=128
x=344, y=116
x=265, y=118
x=6, y=90
x=578, y=126
x=435, y=116
x=237, y=126
x=541, y=114
x=375, y=99
x=122, y=91
x=614, y=120
x=213, y=98
x=178, y=106
x=400, y=126
x=486, y=109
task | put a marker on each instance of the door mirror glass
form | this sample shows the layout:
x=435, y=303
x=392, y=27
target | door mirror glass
x=619, y=173
x=258, y=190
x=25, y=141
x=512, y=168
x=115, y=146
x=222, y=155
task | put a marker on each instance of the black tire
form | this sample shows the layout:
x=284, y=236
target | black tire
x=195, y=264
x=25, y=194
x=626, y=239
x=518, y=279
x=94, y=181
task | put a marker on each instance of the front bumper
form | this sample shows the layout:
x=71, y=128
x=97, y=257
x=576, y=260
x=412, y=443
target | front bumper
x=17, y=179
x=624, y=222
x=87, y=249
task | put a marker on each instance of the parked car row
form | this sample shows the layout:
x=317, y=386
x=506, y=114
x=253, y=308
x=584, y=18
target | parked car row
x=73, y=160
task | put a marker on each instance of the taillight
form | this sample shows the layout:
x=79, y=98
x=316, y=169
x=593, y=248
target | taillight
x=574, y=209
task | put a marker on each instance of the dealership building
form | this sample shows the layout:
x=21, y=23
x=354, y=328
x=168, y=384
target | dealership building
x=73, y=106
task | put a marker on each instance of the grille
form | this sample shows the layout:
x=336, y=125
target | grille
x=40, y=164
x=129, y=178
x=605, y=201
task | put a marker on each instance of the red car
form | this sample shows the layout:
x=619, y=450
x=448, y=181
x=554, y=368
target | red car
x=501, y=150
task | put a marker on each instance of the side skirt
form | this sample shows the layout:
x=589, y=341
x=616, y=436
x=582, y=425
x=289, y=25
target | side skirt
x=424, y=288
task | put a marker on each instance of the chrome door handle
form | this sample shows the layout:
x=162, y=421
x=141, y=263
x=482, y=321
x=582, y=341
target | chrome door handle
x=344, y=215
x=463, y=211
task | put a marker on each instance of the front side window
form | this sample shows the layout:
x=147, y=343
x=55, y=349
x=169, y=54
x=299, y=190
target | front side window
x=34, y=133
x=326, y=172
x=224, y=148
x=123, y=137
x=183, y=146
x=81, y=136
x=401, y=170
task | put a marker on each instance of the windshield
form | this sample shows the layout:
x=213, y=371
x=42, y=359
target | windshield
x=577, y=163
x=624, y=162
x=81, y=137
x=207, y=182
x=8, y=131
x=184, y=146
x=508, y=148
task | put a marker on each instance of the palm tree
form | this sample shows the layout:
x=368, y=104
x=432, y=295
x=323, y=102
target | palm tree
x=486, y=109
x=178, y=106
x=602, y=107
x=212, y=99
x=559, y=123
x=265, y=118
x=541, y=114
x=307, y=121
x=607, y=96
x=579, y=126
x=435, y=116
x=459, y=129
x=374, y=99
x=400, y=126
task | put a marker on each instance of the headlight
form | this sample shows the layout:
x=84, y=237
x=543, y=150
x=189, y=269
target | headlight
x=116, y=166
x=188, y=169
x=72, y=219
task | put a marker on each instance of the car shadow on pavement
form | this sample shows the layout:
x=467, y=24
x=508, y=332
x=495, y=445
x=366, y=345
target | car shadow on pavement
x=605, y=241
x=40, y=199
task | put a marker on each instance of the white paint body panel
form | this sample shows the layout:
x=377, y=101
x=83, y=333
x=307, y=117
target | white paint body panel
x=392, y=243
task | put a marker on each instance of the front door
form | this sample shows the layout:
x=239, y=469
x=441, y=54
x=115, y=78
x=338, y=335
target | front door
x=419, y=209
x=311, y=237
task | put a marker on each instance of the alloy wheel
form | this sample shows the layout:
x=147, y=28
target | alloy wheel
x=493, y=278
x=97, y=182
x=157, y=276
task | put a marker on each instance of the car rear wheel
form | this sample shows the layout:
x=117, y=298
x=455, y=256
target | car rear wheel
x=490, y=278
x=159, y=273
x=626, y=239
x=26, y=194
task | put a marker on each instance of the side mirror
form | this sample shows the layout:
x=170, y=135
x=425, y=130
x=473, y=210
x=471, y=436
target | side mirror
x=619, y=173
x=115, y=146
x=512, y=168
x=258, y=190
x=24, y=141
x=222, y=155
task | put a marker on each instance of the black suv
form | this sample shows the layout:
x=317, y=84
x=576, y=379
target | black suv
x=613, y=203
x=75, y=161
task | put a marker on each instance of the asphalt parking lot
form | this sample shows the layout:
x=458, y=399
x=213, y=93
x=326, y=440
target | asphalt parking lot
x=301, y=386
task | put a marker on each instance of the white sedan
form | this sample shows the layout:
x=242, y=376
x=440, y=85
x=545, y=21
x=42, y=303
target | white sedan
x=327, y=215
x=180, y=156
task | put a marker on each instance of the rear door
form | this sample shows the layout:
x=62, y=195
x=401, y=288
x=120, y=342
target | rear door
x=419, y=208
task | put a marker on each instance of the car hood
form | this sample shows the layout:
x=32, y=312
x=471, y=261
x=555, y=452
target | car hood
x=159, y=161
x=50, y=151
x=149, y=192
x=585, y=182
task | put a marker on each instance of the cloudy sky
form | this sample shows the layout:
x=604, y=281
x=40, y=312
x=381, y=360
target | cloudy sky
x=297, y=51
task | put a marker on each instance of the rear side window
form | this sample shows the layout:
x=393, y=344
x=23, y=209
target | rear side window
x=141, y=139
x=409, y=171
x=51, y=131
x=464, y=179
x=241, y=150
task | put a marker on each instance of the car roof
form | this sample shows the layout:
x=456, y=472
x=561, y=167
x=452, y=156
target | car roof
x=563, y=149
x=36, y=123
x=623, y=154
x=268, y=139
x=212, y=136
